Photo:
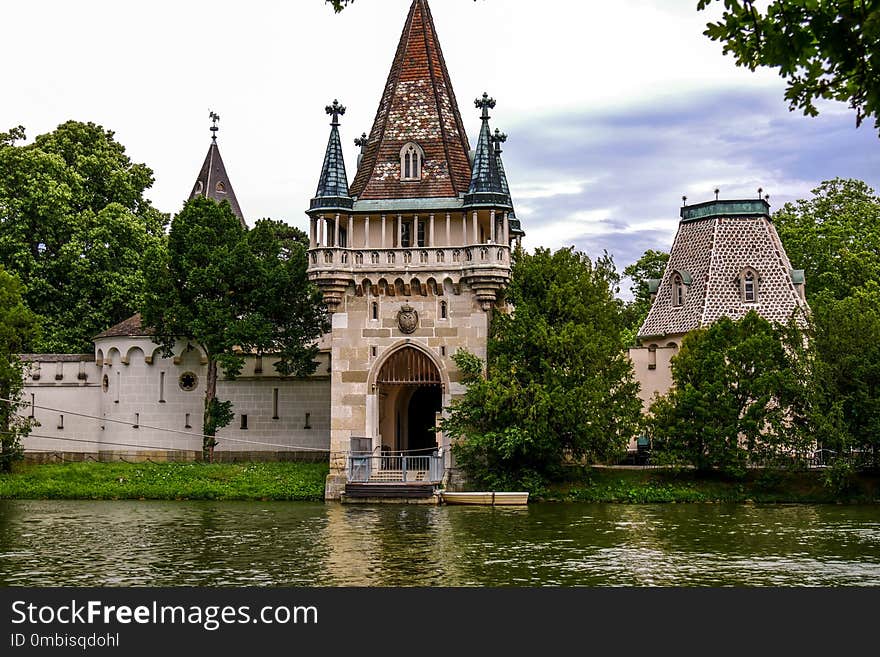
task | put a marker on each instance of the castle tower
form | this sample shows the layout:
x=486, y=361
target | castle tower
x=411, y=257
x=213, y=181
x=726, y=260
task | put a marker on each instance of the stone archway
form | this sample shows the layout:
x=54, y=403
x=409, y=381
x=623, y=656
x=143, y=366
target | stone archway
x=410, y=396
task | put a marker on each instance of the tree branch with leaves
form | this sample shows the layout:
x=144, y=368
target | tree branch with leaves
x=825, y=50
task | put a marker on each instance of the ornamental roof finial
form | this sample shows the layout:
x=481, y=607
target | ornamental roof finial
x=335, y=110
x=485, y=103
x=498, y=138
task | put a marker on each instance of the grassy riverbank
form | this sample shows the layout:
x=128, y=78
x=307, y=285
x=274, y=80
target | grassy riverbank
x=305, y=482
x=166, y=481
x=644, y=486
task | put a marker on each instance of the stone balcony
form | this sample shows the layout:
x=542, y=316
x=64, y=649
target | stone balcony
x=484, y=267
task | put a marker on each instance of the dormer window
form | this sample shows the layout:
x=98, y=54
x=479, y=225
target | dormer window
x=677, y=290
x=749, y=285
x=680, y=281
x=220, y=187
x=411, y=159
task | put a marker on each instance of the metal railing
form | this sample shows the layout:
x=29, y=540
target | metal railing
x=394, y=468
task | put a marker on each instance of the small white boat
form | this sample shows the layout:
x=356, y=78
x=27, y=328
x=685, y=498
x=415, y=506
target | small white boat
x=490, y=498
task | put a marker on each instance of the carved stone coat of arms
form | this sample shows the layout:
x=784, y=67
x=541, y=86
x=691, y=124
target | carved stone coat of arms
x=407, y=319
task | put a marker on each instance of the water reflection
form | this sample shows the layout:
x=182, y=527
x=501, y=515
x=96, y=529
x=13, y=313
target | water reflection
x=49, y=543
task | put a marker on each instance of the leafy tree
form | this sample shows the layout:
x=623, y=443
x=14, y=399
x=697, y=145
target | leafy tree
x=736, y=397
x=557, y=385
x=73, y=227
x=825, y=50
x=18, y=326
x=651, y=265
x=834, y=236
x=233, y=292
x=846, y=385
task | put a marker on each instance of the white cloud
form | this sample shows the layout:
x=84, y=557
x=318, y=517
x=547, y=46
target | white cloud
x=549, y=189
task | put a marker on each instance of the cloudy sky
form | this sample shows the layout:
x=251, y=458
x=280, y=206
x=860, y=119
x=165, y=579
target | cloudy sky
x=613, y=110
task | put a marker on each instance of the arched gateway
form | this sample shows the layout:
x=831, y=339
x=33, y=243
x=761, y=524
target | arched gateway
x=409, y=391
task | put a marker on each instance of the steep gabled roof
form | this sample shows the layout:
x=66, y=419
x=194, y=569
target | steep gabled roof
x=418, y=105
x=214, y=183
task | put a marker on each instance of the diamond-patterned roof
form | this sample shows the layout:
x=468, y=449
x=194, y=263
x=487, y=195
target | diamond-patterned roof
x=713, y=251
x=418, y=105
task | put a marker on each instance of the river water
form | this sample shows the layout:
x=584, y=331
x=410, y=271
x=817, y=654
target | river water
x=140, y=543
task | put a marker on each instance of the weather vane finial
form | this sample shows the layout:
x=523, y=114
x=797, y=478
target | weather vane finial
x=485, y=103
x=335, y=110
x=214, y=118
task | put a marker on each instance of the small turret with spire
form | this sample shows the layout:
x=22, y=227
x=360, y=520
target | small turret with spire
x=486, y=186
x=499, y=138
x=332, y=189
x=213, y=181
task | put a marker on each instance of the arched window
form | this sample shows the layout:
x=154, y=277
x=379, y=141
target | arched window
x=749, y=285
x=412, y=158
x=444, y=311
x=677, y=290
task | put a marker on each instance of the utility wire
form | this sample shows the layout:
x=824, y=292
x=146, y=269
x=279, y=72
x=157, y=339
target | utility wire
x=147, y=426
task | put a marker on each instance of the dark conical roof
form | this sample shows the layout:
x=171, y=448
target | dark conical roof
x=213, y=182
x=418, y=105
x=486, y=187
x=332, y=189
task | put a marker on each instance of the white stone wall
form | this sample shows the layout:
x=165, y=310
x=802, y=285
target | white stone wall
x=291, y=429
x=145, y=411
x=60, y=387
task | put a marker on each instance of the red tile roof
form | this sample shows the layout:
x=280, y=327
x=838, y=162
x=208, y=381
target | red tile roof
x=418, y=105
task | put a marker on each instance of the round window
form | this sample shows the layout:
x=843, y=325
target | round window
x=188, y=381
x=105, y=383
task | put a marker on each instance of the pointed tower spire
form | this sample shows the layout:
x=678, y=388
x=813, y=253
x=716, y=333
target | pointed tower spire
x=360, y=142
x=499, y=138
x=333, y=184
x=418, y=108
x=486, y=186
x=213, y=181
